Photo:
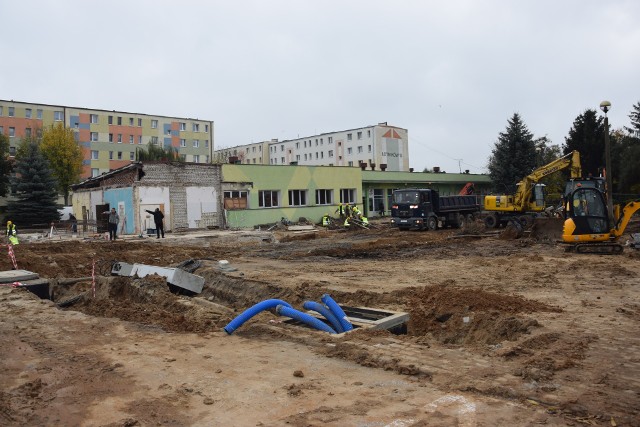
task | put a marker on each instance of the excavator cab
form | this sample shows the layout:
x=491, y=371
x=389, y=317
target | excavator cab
x=587, y=214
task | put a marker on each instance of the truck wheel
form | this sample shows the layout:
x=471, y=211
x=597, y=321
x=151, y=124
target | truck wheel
x=432, y=223
x=491, y=221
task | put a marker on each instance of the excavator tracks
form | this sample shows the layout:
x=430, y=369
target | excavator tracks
x=605, y=248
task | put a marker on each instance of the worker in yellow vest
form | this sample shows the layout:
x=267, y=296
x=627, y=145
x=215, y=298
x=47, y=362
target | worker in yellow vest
x=326, y=220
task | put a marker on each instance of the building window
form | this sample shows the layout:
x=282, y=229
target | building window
x=130, y=139
x=349, y=150
x=316, y=155
x=234, y=200
x=368, y=134
x=130, y=121
x=110, y=155
x=196, y=143
x=94, y=136
x=206, y=144
x=0, y=110
x=140, y=123
x=110, y=120
x=330, y=140
x=12, y=151
x=196, y=158
x=93, y=118
x=305, y=156
x=330, y=153
x=58, y=116
x=183, y=143
x=268, y=199
x=196, y=127
x=1, y=130
x=347, y=195
x=297, y=197
x=206, y=128
x=119, y=138
x=27, y=113
x=324, y=197
x=349, y=137
x=119, y=155
x=131, y=155
x=110, y=137
x=297, y=145
x=27, y=132
x=369, y=147
x=359, y=134
x=38, y=114
x=183, y=126
x=154, y=124
x=316, y=142
x=282, y=160
x=119, y=121
x=359, y=148
x=139, y=139
x=95, y=172
x=282, y=147
x=12, y=131
x=154, y=140
x=206, y=159
x=12, y=111
x=94, y=154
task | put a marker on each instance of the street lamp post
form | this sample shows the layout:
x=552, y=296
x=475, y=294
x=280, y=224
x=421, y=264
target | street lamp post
x=606, y=106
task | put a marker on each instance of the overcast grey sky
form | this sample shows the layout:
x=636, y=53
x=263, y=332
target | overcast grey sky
x=451, y=72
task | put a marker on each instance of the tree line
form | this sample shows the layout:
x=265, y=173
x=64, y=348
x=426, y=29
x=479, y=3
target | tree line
x=517, y=153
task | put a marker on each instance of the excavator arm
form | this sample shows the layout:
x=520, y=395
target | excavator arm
x=525, y=187
x=623, y=221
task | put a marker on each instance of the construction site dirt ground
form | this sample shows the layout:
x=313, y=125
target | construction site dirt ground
x=501, y=332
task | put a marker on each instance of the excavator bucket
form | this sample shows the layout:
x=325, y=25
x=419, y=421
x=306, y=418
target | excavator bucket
x=547, y=228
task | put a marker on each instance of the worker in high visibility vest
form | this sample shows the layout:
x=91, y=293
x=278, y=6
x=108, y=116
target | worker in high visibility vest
x=12, y=234
x=347, y=223
x=326, y=220
x=364, y=220
x=340, y=211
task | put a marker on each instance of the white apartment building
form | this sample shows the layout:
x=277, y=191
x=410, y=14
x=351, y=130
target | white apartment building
x=377, y=147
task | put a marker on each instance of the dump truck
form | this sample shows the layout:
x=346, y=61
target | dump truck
x=425, y=209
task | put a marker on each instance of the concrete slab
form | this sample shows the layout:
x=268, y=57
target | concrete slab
x=174, y=276
x=11, y=276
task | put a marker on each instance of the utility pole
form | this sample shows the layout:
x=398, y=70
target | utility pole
x=606, y=106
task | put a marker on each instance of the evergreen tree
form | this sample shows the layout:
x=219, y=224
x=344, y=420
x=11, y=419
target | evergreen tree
x=545, y=154
x=587, y=136
x=634, y=129
x=35, y=188
x=6, y=166
x=513, y=156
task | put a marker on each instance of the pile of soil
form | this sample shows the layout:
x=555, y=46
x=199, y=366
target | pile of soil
x=470, y=316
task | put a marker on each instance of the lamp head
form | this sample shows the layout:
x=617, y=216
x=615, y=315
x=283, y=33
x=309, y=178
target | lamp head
x=605, y=106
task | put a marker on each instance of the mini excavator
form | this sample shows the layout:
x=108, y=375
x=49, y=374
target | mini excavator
x=588, y=227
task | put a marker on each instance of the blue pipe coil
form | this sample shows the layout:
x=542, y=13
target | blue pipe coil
x=338, y=312
x=304, y=318
x=324, y=311
x=252, y=311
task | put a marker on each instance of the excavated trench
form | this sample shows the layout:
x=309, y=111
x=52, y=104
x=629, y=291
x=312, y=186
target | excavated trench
x=443, y=312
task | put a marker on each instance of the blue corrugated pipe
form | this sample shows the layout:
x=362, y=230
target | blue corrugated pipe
x=304, y=317
x=252, y=311
x=316, y=306
x=337, y=311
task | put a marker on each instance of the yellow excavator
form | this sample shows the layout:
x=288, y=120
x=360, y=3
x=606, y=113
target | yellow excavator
x=588, y=228
x=529, y=197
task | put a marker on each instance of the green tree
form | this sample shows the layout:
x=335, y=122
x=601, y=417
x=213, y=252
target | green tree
x=634, y=129
x=545, y=154
x=587, y=136
x=35, y=188
x=158, y=153
x=65, y=156
x=513, y=156
x=6, y=166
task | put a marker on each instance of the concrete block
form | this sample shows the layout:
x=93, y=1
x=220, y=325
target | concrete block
x=11, y=276
x=174, y=276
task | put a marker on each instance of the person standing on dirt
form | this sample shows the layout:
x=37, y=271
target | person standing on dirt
x=74, y=223
x=114, y=218
x=341, y=211
x=158, y=218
